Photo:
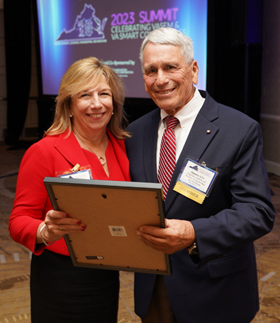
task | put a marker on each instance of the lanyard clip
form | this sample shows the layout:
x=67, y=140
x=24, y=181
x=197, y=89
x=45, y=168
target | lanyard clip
x=75, y=168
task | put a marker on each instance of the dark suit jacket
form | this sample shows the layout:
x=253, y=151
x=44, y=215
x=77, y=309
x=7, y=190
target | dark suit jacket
x=222, y=287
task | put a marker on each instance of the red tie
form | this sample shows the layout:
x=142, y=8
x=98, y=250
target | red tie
x=167, y=155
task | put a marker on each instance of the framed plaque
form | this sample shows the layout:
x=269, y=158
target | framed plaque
x=112, y=211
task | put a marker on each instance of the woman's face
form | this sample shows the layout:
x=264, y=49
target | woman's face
x=92, y=109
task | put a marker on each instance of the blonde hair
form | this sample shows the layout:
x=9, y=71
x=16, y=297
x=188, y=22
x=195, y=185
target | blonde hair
x=82, y=74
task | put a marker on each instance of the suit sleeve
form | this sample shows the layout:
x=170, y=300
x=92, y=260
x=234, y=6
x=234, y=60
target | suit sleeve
x=251, y=214
x=31, y=200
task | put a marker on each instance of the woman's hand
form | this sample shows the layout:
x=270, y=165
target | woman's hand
x=56, y=225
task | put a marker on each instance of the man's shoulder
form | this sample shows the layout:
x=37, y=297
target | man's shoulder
x=226, y=113
x=232, y=115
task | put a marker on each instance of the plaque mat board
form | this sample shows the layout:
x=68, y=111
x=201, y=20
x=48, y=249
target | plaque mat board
x=112, y=211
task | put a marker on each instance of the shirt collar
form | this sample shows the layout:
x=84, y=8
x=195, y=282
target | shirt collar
x=188, y=112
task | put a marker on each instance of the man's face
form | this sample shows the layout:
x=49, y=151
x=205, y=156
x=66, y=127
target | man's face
x=168, y=79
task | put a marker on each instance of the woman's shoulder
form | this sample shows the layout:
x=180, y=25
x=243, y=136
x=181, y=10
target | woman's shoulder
x=43, y=146
x=45, y=142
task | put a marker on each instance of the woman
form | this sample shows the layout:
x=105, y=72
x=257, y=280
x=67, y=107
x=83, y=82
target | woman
x=87, y=130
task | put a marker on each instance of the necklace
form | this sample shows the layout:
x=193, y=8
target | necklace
x=102, y=159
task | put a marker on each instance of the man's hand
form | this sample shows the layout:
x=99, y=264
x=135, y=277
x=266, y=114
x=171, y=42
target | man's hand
x=177, y=235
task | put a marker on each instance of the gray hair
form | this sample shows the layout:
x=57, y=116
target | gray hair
x=169, y=36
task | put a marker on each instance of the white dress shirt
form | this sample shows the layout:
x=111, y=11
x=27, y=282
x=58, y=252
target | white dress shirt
x=186, y=117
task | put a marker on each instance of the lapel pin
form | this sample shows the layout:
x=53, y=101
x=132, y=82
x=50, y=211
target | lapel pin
x=208, y=131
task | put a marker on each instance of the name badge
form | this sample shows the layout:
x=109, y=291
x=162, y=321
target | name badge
x=81, y=172
x=195, y=181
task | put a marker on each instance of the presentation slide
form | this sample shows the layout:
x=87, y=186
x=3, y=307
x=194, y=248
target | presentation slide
x=113, y=31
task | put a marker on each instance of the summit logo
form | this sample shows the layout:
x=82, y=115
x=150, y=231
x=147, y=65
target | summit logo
x=88, y=28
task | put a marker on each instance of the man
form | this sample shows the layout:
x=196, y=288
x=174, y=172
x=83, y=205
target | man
x=210, y=240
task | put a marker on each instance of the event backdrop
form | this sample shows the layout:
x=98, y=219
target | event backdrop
x=113, y=31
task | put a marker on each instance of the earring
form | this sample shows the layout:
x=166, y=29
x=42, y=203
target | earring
x=71, y=116
x=112, y=112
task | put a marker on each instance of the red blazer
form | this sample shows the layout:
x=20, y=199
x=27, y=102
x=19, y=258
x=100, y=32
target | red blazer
x=43, y=159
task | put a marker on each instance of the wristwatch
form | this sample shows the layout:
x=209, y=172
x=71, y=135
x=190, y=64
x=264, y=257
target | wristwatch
x=192, y=250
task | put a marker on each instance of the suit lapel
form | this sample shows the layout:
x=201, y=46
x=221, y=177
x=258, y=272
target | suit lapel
x=150, y=147
x=200, y=137
x=70, y=149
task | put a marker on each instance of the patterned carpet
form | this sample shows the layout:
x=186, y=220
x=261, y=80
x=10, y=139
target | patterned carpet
x=15, y=259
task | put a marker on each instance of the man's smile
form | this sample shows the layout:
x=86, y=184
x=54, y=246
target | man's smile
x=164, y=92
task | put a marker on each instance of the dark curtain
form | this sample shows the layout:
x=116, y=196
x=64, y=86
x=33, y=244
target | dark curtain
x=17, y=25
x=235, y=54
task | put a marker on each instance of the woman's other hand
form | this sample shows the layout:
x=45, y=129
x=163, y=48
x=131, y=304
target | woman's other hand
x=56, y=225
